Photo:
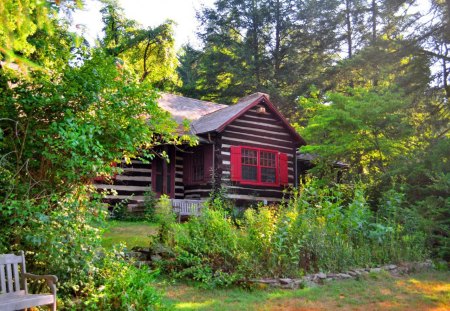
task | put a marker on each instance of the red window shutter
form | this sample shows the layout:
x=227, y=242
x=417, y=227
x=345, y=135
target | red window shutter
x=235, y=161
x=283, y=165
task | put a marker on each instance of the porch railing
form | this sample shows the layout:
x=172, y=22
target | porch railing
x=187, y=207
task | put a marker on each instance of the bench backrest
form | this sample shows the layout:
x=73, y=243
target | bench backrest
x=10, y=271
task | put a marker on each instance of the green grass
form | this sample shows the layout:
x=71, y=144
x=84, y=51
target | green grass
x=130, y=233
x=425, y=291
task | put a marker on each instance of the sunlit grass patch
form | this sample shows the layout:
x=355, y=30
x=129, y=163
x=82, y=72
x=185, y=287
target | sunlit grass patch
x=427, y=291
x=135, y=233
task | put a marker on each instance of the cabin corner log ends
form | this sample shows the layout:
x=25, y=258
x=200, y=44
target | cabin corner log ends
x=14, y=289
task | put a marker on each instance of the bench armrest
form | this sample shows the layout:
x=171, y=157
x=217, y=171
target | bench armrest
x=51, y=280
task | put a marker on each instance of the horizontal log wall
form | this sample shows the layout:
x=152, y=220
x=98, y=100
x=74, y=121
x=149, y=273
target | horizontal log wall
x=259, y=130
x=130, y=185
x=136, y=179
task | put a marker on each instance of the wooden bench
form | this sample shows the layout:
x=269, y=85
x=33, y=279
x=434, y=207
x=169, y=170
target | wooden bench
x=187, y=207
x=13, y=285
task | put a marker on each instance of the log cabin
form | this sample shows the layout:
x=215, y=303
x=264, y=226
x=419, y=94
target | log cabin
x=248, y=149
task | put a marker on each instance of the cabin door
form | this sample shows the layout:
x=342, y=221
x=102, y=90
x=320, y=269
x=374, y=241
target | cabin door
x=163, y=175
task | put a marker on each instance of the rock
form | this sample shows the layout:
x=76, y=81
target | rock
x=155, y=258
x=142, y=263
x=352, y=273
x=321, y=275
x=331, y=275
x=161, y=250
x=344, y=276
x=266, y=281
x=375, y=270
x=285, y=281
x=392, y=267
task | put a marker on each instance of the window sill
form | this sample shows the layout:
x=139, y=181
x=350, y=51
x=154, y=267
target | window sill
x=258, y=183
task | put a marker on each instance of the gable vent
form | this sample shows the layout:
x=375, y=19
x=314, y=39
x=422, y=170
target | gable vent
x=261, y=109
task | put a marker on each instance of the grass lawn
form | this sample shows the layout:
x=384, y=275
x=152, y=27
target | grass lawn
x=424, y=291
x=130, y=233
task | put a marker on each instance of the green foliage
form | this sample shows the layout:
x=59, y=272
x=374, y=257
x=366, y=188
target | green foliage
x=148, y=52
x=59, y=127
x=206, y=249
x=125, y=288
x=150, y=202
x=165, y=217
x=366, y=128
x=279, y=47
x=322, y=228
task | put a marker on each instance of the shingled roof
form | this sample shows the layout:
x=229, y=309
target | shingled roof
x=181, y=108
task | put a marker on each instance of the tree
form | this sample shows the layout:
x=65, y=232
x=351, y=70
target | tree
x=150, y=52
x=276, y=46
x=366, y=128
x=61, y=124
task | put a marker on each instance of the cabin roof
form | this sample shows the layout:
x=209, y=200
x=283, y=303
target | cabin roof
x=181, y=107
x=209, y=117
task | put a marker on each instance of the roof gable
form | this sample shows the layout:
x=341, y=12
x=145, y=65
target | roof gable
x=219, y=119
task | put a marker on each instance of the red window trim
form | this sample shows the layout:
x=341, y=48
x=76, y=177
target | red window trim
x=258, y=165
x=236, y=170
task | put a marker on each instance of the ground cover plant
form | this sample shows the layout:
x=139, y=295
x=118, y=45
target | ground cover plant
x=320, y=228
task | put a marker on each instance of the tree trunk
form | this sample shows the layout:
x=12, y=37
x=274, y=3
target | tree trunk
x=348, y=23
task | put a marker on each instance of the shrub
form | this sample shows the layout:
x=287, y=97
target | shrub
x=150, y=202
x=206, y=249
x=165, y=217
x=320, y=229
x=124, y=287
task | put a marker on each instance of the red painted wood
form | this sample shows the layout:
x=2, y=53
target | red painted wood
x=235, y=162
x=283, y=165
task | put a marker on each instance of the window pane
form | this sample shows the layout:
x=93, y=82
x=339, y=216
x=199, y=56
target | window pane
x=268, y=175
x=159, y=183
x=249, y=157
x=249, y=172
x=267, y=159
x=198, y=167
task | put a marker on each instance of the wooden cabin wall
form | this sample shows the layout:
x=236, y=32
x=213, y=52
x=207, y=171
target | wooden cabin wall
x=131, y=185
x=257, y=130
x=179, y=185
x=136, y=179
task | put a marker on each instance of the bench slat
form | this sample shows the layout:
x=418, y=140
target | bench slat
x=16, y=277
x=9, y=279
x=18, y=301
x=10, y=258
x=2, y=280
